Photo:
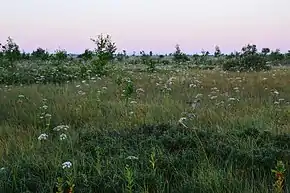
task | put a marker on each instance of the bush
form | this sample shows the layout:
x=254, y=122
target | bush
x=40, y=54
x=231, y=64
x=248, y=60
x=179, y=56
x=10, y=52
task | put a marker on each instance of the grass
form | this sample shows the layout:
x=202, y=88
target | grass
x=135, y=143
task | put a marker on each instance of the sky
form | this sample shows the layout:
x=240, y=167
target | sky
x=156, y=25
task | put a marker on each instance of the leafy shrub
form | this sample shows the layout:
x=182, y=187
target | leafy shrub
x=105, y=48
x=248, y=60
x=87, y=55
x=104, y=51
x=40, y=54
x=60, y=55
x=10, y=52
x=178, y=56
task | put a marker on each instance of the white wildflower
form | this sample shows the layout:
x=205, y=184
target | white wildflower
x=132, y=158
x=181, y=121
x=42, y=136
x=62, y=136
x=198, y=95
x=48, y=115
x=276, y=92
x=61, y=127
x=192, y=85
x=213, y=97
x=140, y=90
x=66, y=164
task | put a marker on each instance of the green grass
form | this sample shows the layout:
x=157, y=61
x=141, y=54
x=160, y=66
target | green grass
x=231, y=144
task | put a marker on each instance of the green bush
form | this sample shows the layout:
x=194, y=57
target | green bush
x=248, y=60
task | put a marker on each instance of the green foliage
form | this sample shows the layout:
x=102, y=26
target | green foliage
x=265, y=51
x=46, y=74
x=40, y=54
x=105, y=48
x=217, y=52
x=148, y=61
x=104, y=51
x=11, y=51
x=137, y=145
x=122, y=56
x=178, y=56
x=288, y=54
x=276, y=56
x=25, y=56
x=87, y=55
x=248, y=60
x=60, y=55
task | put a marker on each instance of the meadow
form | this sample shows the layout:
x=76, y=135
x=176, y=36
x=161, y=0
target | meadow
x=141, y=132
x=178, y=128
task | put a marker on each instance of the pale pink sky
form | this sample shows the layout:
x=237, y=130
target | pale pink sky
x=155, y=25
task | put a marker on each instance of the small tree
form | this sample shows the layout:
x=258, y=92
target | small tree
x=217, y=52
x=105, y=48
x=276, y=56
x=87, y=55
x=265, y=51
x=60, y=55
x=288, y=54
x=1, y=54
x=248, y=59
x=179, y=56
x=105, y=51
x=40, y=54
x=25, y=56
x=11, y=51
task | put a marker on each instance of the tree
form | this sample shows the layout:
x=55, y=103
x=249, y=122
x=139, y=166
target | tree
x=60, y=55
x=288, y=54
x=87, y=55
x=11, y=51
x=179, y=56
x=40, y=54
x=25, y=56
x=105, y=48
x=248, y=59
x=276, y=55
x=249, y=49
x=265, y=51
x=217, y=52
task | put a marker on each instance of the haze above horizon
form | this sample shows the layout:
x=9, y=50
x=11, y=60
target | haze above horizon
x=137, y=25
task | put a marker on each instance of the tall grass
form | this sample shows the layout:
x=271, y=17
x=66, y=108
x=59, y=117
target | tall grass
x=120, y=142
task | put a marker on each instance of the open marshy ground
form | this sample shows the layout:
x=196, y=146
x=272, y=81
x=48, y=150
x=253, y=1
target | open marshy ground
x=170, y=131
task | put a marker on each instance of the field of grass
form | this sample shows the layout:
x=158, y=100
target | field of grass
x=169, y=131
